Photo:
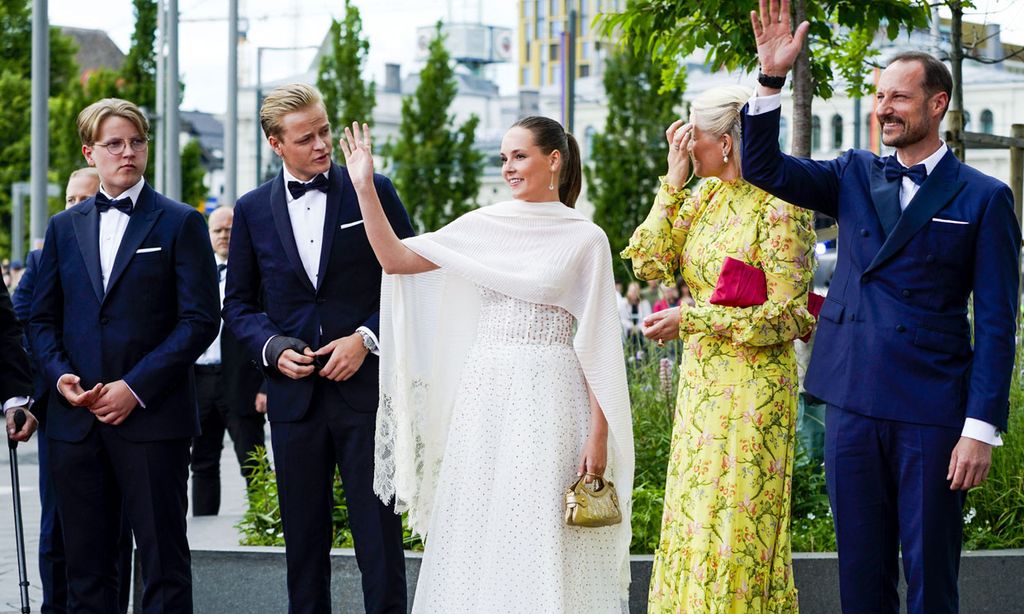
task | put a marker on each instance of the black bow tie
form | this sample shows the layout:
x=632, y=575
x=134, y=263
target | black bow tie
x=297, y=188
x=894, y=170
x=104, y=204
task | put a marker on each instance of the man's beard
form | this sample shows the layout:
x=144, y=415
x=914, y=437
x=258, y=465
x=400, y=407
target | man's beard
x=910, y=135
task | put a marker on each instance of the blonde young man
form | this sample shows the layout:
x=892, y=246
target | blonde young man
x=126, y=300
x=303, y=291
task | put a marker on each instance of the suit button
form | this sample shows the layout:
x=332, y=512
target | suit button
x=905, y=293
x=900, y=328
x=929, y=259
x=320, y=300
x=104, y=321
x=864, y=232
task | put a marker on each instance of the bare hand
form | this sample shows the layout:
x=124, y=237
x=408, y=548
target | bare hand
x=295, y=365
x=662, y=325
x=969, y=464
x=777, y=44
x=70, y=387
x=261, y=403
x=347, y=355
x=26, y=429
x=679, y=136
x=594, y=459
x=356, y=146
x=116, y=402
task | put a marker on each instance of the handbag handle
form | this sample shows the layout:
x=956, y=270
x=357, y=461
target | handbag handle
x=601, y=482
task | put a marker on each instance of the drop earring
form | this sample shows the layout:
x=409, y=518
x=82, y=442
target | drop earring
x=551, y=183
x=725, y=158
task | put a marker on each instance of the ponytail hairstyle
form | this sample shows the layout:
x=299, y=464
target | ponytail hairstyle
x=549, y=135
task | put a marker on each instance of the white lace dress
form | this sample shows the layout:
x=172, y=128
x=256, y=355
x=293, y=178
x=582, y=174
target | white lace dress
x=497, y=541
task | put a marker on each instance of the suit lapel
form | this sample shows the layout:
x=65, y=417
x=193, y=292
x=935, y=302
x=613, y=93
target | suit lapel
x=283, y=223
x=144, y=216
x=86, y=222
x=935, y=193
x=334, y=204
x=886, y=197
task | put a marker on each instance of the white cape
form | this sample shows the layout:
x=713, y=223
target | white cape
x=542, y=253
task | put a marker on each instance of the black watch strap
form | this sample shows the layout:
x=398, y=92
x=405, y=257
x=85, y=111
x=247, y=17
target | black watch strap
x=774, y=83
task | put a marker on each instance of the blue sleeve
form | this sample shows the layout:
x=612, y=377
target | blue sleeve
x=22, y=297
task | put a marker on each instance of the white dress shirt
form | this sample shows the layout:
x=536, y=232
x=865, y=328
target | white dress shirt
x=973, y=428
x=307, y=215
x=212, y=354
x=113, y=223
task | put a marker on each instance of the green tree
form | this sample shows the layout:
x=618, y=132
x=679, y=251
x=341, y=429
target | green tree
x=347, y=97
x=139, y=70
x=839, y=42
x=193, y=190
x=628, y=157
x=436, y=168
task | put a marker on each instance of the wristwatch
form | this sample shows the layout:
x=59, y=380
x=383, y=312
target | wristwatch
x=774, y=83
x=368, y=342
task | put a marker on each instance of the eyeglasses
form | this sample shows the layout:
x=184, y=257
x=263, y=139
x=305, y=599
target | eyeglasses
x=115, y=148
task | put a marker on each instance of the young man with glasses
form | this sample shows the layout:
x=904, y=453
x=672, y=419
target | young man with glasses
x=126, y=300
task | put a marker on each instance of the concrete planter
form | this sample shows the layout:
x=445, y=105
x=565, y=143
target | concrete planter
x=228, y=579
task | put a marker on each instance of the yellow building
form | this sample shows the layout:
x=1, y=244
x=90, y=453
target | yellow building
x=541, y=23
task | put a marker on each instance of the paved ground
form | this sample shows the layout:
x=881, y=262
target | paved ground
x=232, y=507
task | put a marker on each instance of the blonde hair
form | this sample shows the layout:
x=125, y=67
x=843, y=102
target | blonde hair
x=717, y=111
x=284, y=100
x=88, y=171
x=92, y=116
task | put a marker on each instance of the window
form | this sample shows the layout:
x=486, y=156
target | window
x=815, y=133
x=553, y=54
x=967, y=121
x=584, y=70
x=837, y=132
x=987, y=121
x=525, y=77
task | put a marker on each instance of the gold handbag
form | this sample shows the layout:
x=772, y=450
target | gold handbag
x=586, y=507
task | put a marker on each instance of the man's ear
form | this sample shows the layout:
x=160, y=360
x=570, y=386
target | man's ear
x=274, y=143
x=87, y=152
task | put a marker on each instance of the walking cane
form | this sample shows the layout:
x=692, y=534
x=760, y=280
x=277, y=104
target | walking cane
x=19, y=529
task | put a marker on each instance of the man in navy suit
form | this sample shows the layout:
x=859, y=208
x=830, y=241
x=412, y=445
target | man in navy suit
x=83, y=184
x=913, y=409
x=303, y=292
x=126, y=299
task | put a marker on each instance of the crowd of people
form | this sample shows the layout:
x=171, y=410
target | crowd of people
x=466, y=377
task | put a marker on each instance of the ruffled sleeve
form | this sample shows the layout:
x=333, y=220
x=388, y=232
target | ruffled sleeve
x=657, y=243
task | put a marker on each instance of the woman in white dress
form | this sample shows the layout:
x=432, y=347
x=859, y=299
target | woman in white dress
x=502, y=380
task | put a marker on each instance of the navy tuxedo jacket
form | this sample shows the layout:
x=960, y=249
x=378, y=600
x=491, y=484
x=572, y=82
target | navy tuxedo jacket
x=893, y=335
x=157, y=316
x=268, y=292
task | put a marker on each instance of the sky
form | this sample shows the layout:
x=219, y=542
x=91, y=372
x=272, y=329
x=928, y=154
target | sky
x=389, y=25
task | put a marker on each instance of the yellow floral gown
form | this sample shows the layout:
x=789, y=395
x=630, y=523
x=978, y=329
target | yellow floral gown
x=725, y=544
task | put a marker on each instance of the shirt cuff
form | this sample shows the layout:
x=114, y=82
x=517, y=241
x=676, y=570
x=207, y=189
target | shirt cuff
x=137, y=399
x=16, y=402
x=375, y=350
x=763, y=104
x=266, y=363
x=982, y=431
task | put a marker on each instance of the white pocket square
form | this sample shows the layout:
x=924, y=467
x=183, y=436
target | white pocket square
x=350, y=224
x=945, y=221
x=146, y=250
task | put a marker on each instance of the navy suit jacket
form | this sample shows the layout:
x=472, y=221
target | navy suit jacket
x=268, y=292
x=894, y=340
x=158, y=314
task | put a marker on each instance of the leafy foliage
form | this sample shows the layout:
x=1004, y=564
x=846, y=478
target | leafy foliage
x=435, y=165
x=347, y=97
x=628, y=156
x=193, y=190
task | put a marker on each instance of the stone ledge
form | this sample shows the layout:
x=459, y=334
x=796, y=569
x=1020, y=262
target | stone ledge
x=228, y=578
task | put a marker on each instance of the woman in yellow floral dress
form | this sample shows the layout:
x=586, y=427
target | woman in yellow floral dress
x=725, y=544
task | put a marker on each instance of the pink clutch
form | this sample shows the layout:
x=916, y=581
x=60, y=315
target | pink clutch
x=739, y=285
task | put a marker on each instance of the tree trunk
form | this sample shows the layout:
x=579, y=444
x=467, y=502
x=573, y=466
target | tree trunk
x=803, y=92
x=956, y=61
